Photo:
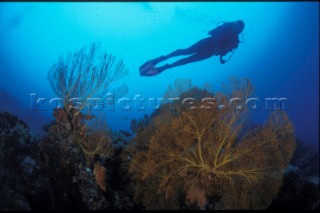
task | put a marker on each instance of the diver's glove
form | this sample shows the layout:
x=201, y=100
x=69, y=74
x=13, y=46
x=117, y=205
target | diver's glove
x=222, y=61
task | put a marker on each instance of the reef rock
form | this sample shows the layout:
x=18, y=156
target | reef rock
x=24, y=184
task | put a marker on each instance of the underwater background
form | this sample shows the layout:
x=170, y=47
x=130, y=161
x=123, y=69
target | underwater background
x=57, y=159
x=280, y=53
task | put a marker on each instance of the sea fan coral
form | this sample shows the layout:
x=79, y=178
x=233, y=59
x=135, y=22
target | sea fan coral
x=83, y=75
x=202, y=149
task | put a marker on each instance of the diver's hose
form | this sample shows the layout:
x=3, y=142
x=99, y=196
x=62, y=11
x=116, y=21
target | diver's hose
x=242, y=38
x=220, y=23
x=230, y=55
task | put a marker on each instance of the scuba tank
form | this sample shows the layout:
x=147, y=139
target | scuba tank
x=216, y=31
x=242, y=38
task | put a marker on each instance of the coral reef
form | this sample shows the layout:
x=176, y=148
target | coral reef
x=72, y=173
x=183, y=156
x=82, y=140
x=83, y=173
x=85, y=168
x=52, y=173
x=300, y=189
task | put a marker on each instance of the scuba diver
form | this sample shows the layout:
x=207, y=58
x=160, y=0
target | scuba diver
x=222, y=40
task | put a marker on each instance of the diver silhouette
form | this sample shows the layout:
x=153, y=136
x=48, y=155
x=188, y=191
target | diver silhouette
x=223, y=39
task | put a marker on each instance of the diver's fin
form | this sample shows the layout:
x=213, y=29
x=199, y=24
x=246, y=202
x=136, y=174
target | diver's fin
x=146, y=66
x=151, y=72
x=151, y=63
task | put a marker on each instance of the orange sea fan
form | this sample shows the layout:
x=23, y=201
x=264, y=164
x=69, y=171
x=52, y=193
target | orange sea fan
x=207, y=152
x=100, y=174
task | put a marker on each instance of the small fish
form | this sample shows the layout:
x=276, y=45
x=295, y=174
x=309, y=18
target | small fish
x=126, y=133
x=125, y=118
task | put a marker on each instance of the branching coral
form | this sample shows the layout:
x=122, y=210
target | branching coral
x=180, y=86
x=95, y=142
x=200, y=151
x=85, y=74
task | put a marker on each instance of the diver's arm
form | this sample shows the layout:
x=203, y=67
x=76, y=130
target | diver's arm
x=228, y=49
x=222, y=61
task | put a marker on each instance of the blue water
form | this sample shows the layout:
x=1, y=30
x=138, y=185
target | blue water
x=280, y=53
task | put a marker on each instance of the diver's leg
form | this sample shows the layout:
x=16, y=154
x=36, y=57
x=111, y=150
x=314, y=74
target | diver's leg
x=187, y=51
x=201, y=50
x=173, y=54
x=195, y=57
x=193, y=49
x=148, y=69
x=155, y=61
x=190, y=59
